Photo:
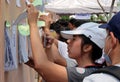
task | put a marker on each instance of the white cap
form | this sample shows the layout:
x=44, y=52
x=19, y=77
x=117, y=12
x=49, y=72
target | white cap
x=90, y=30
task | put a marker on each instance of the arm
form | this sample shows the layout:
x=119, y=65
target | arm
x=56, y=57
x=52, y=52
x=49, y=71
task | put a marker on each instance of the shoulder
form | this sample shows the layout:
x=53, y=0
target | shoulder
x=75, y=74
x=71, y=62
x=81, y=71
x=78, y=73
x=100, y=77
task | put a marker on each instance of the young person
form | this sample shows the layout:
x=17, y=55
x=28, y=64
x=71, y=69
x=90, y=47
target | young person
x=112, y=52
x=84, y=45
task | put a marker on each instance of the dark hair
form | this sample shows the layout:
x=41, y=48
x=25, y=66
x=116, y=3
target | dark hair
x=79, y=22
x=57, y=28
x=96, y=51
x=72, y=20
x=62, y=22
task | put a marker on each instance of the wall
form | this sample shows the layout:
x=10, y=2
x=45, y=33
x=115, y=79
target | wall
x=23, y=73
x=1, y=45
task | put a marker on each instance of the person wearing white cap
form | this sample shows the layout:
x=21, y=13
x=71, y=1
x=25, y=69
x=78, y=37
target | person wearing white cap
x=84, y=45
x=110, y=73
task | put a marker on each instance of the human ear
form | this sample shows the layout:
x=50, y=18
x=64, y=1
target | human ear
x=113, y=40
x=87, y=48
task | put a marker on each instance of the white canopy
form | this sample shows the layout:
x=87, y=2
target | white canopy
x=79, y=6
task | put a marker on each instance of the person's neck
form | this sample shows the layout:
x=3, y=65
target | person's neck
x=115, y=56
x=84, y=62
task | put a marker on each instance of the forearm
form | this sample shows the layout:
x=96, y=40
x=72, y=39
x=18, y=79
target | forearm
x=55, y=56
x=49, y=52
x=39, y=55
x=56, y=42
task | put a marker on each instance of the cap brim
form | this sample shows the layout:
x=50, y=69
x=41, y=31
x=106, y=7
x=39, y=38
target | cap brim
x=104, y=26
x=69, y=34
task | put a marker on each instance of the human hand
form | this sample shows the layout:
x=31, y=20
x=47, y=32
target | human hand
x=48, y=40
x=32, y=14
x=46, y=18
x=30, y=62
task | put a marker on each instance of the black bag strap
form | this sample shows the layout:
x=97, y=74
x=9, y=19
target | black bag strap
x=112, y=70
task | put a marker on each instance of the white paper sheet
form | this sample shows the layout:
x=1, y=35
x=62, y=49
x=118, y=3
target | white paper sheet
x=18, y=3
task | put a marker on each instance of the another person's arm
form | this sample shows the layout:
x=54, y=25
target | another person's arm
x=52, y=52
x=49, y=71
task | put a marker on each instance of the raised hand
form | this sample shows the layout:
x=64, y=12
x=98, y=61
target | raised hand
x=32, y=14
